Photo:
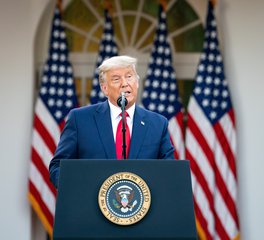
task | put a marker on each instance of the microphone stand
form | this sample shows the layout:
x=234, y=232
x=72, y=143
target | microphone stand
x=123, y=104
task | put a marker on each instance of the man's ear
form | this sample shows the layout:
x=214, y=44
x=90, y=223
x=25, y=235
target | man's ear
x=104, y=88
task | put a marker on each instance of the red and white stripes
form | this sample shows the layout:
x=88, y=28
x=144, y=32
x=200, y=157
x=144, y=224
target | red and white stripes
x=42, y=193
x=176, y=134
x=211, y=150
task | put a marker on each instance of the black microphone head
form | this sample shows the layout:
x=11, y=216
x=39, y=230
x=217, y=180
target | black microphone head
x=126, y=102
x=119, y=100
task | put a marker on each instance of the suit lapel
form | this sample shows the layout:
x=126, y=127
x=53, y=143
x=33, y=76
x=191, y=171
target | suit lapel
x=104, y=127
x=140, y=127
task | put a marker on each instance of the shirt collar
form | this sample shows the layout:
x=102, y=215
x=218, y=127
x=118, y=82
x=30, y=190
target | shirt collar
x=115, y=111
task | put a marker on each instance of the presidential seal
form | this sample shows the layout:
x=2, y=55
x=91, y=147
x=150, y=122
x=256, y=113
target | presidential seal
x=124, y=198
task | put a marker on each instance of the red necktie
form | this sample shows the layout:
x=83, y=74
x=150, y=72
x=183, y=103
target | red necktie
x=119, y=139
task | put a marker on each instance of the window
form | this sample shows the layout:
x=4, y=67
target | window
x=134, y=25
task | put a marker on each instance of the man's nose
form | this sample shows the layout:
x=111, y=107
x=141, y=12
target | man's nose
x=124, y=82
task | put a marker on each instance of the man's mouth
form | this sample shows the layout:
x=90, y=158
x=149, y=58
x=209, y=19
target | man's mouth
x=127, y=93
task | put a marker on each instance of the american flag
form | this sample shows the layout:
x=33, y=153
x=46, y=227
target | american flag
x=56, y=98
x=107, y=49
x=160, y=89
x=211, y=144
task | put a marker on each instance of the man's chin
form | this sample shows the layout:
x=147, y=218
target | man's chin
x=130, y=103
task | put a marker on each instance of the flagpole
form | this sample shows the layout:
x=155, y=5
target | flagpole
x=214, y=2
x=59, y=4
x=163, y=3
x=107, y=4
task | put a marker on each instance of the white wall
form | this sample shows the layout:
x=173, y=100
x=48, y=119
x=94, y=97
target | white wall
x=18, y=20
x=240, y=23
x=16, y=103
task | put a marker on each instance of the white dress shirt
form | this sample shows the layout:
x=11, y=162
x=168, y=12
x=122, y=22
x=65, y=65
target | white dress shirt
x=115, y=117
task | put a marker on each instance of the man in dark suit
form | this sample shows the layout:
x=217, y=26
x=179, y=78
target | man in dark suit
x=91, y=131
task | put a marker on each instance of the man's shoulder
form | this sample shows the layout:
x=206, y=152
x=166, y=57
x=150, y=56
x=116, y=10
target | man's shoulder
x=90, y=108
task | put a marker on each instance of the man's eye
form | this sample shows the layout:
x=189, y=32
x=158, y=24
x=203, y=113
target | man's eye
x=115, y=79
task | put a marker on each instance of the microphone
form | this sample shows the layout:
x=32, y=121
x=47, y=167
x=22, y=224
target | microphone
x=122, y=101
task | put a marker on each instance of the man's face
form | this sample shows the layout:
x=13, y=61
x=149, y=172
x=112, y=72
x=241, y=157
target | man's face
x=121, y=80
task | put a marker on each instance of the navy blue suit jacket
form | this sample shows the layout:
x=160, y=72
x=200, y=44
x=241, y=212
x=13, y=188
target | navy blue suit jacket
x=88, y=134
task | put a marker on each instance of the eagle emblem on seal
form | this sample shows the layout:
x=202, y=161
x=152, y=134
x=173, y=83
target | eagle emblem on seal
x=124, y=199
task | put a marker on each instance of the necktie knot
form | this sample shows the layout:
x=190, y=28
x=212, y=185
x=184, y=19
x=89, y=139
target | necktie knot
x=126, y=114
